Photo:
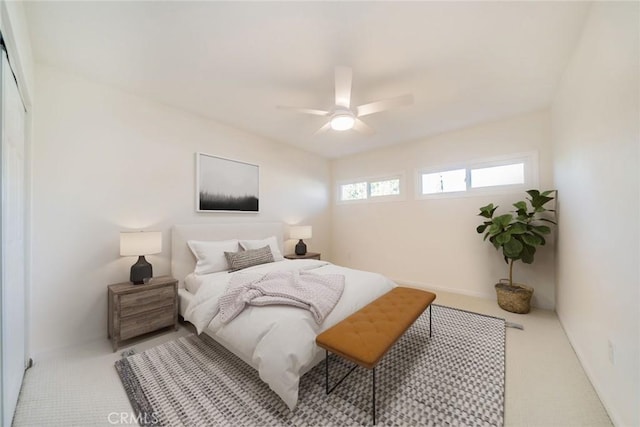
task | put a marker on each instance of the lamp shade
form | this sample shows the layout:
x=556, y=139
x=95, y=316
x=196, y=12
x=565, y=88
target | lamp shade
x=136, y=243
x=300, y=232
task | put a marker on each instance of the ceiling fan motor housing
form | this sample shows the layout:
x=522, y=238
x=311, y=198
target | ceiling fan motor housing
x=341, y=116
x=342, y=119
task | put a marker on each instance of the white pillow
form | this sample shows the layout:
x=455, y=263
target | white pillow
x=210, y=254
x=257, y=244
x=191, y=283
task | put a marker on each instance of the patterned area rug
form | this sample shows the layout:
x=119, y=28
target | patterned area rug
x=456, y=377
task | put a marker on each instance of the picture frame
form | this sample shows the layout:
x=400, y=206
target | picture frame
x=225, y=185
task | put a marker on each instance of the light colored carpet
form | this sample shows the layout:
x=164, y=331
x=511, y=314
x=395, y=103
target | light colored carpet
x=545, y=384
x=454, y=377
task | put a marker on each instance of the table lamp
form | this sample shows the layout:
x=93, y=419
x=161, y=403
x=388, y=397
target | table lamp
x=140, y=243
x=300, y=232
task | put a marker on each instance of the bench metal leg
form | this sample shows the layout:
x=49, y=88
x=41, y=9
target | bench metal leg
x=329, y=390
x=373, y=394
x=326, y=371
x=373, y=371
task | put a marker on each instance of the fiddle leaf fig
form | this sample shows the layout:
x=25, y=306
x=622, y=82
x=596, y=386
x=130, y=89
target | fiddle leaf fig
x=541, y=229
x=532, y=239
x=527, y=254
x=487, y=211
x=542, y=239
x=503, y=238
x=518, y=228
x=494, y=229
x=512, y=248
x=521, y=209
x=519, y=232
x=537, y=200
x=503, y=220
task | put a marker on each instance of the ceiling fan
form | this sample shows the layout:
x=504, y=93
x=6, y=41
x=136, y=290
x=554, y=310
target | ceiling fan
x=342, y=116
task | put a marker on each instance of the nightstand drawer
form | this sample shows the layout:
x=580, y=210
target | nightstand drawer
x=138, y=309
x=144, y=301
x=139, y=324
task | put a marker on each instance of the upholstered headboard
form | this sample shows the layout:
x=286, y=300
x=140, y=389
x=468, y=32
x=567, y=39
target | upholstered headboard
x=182, y=260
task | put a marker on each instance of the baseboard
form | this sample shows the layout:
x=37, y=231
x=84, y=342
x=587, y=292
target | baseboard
x=54, y=352
x=587, y=370
x=484, y=295
x=490, y=295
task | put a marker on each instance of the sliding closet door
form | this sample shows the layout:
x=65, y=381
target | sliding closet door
x=12, y=117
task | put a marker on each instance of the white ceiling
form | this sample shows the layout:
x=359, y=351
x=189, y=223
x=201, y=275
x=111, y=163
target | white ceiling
x=464, y=62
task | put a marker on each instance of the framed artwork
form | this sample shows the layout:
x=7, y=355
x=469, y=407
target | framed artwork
x=224, y=185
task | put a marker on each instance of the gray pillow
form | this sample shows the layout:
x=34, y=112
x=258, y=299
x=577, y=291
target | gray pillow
x=243, y=259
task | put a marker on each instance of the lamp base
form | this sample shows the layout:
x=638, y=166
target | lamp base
x=141, y=271
x=301, y=248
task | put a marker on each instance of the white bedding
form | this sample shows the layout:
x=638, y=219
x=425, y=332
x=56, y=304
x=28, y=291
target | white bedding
x=317, y=293
x=279, y=341
x=193, y=282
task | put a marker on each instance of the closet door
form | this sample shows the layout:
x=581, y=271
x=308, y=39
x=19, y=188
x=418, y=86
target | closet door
x=13, y=357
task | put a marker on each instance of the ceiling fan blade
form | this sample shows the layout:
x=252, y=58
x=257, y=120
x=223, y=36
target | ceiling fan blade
x=323, y=129
x=363, y=128
x=305, y=110
x=385, y=104
x=343, y=86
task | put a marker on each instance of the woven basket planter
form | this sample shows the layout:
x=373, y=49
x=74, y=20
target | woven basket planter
x=515, y=299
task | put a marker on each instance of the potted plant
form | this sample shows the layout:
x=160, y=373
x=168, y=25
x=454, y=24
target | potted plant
x=517, y=234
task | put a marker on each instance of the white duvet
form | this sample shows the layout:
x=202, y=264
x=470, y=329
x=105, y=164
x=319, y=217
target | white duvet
x=279, y=341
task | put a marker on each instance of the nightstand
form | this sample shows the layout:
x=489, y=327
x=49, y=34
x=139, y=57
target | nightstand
x=137, y=309
x=308, y=255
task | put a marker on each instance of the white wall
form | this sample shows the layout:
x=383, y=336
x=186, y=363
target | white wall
x=433, y=243
x=595, y=122
x=106, y=161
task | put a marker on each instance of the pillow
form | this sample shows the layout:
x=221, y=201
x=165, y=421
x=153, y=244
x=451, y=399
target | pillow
x=191, y=283
x=243, y=259
x=255, y=244
x=210, y=254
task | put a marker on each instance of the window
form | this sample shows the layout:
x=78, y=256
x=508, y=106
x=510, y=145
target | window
x=505, y=173
x=355, y=191
x=444, y=182
x=497, y=175
x=388, y=187
x=374, y=189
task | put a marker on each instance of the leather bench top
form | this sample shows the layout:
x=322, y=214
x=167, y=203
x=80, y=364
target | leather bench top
x=367, y=335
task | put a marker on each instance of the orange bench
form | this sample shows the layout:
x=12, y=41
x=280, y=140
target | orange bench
x=366, y=336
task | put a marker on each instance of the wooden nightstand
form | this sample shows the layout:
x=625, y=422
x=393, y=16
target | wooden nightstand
x=308, y=255
x=137, y=309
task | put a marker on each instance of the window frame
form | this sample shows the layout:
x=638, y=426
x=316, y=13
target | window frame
x=372, y=199
x=430, y=171
x=529, y=159
x=355, y=181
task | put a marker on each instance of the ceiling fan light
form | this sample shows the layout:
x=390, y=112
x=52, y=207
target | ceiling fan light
x=342, y=122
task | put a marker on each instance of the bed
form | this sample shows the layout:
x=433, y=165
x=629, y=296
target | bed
x=278, y=341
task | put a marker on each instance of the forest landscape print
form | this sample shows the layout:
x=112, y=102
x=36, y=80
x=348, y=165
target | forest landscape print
x=225, y=185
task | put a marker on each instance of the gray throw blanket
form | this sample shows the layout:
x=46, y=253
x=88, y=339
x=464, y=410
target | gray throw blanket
x=313, y=292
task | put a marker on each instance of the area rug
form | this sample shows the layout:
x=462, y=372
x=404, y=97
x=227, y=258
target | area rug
x=456, y=377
